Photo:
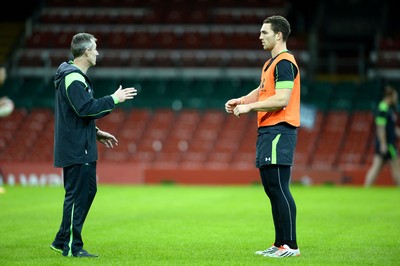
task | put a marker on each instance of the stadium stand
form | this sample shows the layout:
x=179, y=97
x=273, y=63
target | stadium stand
x=186, y=59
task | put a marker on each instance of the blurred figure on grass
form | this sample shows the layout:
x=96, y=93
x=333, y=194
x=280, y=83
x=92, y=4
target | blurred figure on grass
x=6, y=108
x=6, y=104
x=386, y=133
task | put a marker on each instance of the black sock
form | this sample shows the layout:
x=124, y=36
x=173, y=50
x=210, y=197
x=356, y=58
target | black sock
x=292, y=244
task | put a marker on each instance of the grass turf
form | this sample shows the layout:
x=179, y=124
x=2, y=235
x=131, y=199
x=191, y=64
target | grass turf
x=201, y=225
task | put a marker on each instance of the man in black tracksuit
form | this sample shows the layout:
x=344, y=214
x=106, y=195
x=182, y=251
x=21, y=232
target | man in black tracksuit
x=75, y=135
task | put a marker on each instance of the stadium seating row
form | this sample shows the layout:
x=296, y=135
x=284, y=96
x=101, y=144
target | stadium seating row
x=192, y=138
x=166, y=4
x=126, y=37
x=157, y=15
x=167, y=26
x=150, y=58
x=118, y=58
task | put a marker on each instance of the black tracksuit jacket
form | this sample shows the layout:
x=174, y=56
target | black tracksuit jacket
x=75, y=114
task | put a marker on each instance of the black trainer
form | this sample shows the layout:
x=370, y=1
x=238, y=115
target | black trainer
x=84, y=254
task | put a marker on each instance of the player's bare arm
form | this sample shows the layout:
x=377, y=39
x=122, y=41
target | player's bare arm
x=232, y=103
x=278, y=101
x=381, y=134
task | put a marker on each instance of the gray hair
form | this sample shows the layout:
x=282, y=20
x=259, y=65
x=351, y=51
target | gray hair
x=80, y=42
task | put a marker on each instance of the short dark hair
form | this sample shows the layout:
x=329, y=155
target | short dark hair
x=279, y=24
x=80, y=42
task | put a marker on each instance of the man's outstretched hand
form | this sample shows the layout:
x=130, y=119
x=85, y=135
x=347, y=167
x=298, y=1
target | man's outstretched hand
x=125, y=94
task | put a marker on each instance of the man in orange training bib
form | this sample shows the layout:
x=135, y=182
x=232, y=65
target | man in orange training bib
x=277, y=103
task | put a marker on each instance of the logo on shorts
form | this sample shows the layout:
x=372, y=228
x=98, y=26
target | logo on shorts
x=268, y=159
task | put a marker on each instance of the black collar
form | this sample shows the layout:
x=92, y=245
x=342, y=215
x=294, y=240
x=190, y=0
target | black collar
x=272, y=60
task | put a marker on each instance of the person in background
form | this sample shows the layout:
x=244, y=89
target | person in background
x=75, y=135
x=277, y=103
x=6, y=104
x=6, y=107
x=3, y=75
x=386, y=134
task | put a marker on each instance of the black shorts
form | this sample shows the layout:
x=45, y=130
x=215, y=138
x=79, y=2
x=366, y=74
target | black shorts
x=276, y=145
x=391, y=154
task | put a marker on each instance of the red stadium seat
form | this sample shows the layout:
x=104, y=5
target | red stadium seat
x=356, y=140
x=329, y=140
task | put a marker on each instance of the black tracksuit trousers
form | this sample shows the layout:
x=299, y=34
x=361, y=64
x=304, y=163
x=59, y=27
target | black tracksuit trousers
x=80, y=186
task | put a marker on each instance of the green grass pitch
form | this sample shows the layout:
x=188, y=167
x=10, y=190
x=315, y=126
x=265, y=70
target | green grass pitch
x=204, y=225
